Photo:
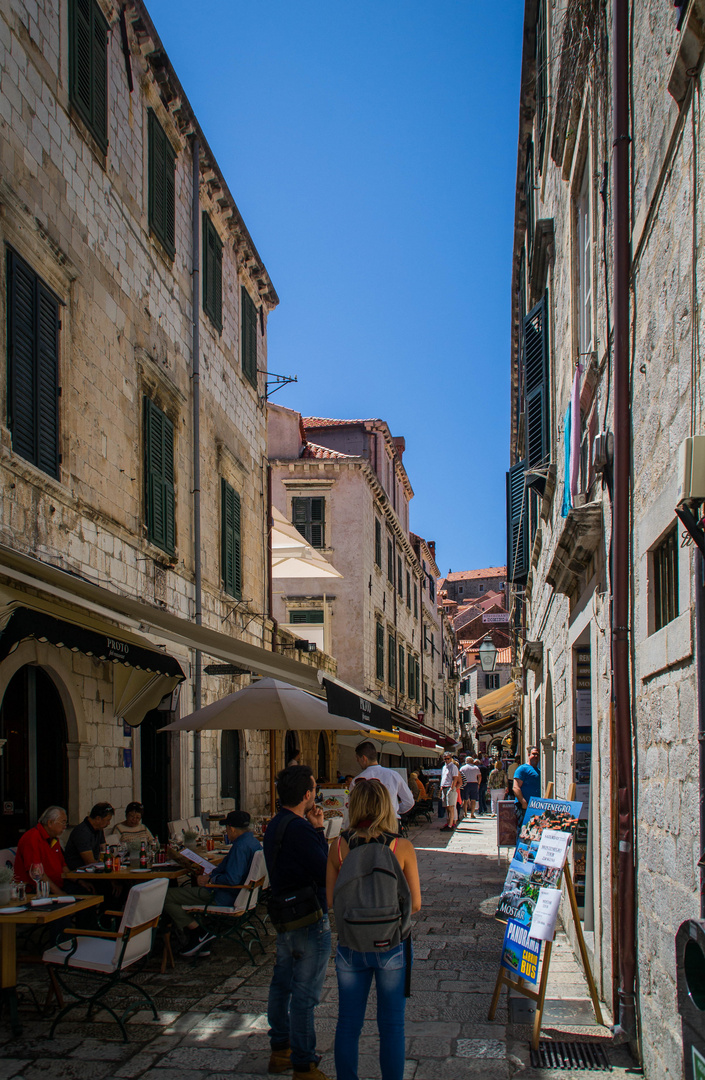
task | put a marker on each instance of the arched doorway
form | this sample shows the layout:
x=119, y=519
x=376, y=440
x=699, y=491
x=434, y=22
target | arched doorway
x=322, y=774
x=230, y=766
x=291, y=747
x=33, y=766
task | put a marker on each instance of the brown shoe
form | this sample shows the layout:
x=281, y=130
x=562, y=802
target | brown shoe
x=280, y=1061
x=313, y=1073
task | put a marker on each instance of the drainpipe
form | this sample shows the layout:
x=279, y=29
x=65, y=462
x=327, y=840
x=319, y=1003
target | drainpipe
x=626, y=938
x=196, y=397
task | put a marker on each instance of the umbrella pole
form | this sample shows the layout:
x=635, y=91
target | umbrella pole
x=272, y=790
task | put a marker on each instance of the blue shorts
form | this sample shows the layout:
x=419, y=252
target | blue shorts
x=470, y=791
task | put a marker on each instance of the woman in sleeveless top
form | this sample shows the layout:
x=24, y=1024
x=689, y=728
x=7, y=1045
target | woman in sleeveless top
x=372, y=820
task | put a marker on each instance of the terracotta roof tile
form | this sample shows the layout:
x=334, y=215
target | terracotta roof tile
x=473, y=575
x=324, y=422
x=311, y=450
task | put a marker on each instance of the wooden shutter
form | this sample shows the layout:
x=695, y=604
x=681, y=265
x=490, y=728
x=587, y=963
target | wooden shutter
x=162, y=187
x=391, y=661
x=517, y=537
x=33, y=367
x=212, y=273
x=249, y=336
x=536, y=384
x=231, y=556
x=529, y=198
x=318, y=522
x=380, y=652
x=378, y=543
x=401, y=669
x=417, y=681
x=410, y=677
x=159, y=476
x=88, y=66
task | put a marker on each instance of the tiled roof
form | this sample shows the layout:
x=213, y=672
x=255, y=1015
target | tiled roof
x=311, y=450
x=469, y=648
x=323, y=422
x=474, y=575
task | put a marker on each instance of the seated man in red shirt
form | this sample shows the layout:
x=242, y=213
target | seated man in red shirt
x=41, y=845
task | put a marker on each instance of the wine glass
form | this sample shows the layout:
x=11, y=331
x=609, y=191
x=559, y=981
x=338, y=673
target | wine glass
x=36, y=872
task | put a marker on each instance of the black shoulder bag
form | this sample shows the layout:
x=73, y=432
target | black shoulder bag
x=291, y=909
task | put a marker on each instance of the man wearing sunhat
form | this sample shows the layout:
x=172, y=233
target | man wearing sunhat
x=232, y=871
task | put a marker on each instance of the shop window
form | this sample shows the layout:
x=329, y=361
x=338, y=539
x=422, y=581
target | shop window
x=665, y=579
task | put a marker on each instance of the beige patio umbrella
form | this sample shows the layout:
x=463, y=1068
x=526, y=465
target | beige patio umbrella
x=293, y=556
x=267, y=705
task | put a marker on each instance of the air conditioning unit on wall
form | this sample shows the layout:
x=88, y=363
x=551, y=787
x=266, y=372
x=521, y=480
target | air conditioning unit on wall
x=691, y=470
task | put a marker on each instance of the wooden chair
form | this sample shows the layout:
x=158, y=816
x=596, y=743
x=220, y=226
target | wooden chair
x=235, y=922
x=87, y=964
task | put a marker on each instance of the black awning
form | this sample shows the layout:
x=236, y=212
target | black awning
x=344, y=702
x=23, y=623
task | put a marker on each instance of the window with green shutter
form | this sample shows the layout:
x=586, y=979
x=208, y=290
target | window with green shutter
x=410, y=677
x=379, y=651
x=159, y=476
x=390, y=561
x=517, y=533
x=212, y=273
x=88, y=67
x=391, y=661
x=408, y=590
x=417, y=681
x=309, y=517
x=416, y=602
x=249, y=336
x=309, y=616
x=400, y=577
x=32, y=366
x=378, y=543
x=161, y=161
x=536, y=384
x=231, y=546
x=401, y=668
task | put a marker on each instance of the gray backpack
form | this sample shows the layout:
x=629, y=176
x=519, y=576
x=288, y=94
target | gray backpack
x=372, y=899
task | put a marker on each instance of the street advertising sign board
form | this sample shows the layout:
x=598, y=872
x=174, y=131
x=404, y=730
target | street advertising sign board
x=520, y=952
x=553, y=848
x=495, y=616
x=506, y=823
x=543, y=922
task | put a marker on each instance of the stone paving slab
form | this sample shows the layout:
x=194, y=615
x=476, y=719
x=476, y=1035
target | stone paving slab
x=212, y=1021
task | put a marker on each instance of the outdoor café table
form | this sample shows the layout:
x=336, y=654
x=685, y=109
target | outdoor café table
x=25, y=915
x=125, y=874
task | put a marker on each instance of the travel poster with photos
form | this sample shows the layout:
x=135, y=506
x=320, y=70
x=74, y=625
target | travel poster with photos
x=520, y=952
x=525, y=876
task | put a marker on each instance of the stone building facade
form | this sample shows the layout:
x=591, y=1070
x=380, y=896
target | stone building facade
x=102, y=233
x=344, y=483
x=560, y=483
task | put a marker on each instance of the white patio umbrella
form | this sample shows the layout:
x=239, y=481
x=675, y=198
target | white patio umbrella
x=293, y=556
x=266, y=705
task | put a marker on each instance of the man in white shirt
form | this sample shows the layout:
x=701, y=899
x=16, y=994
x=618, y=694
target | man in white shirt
x=366, y=754
x=450, y=781
x=471, y=775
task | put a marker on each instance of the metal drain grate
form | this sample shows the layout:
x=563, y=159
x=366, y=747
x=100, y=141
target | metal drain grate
x=569, y=1055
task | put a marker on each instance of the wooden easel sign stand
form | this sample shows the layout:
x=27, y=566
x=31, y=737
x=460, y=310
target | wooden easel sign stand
x=538, y=995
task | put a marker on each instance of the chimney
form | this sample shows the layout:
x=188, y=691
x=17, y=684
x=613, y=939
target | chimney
x=431, y=545
x=400, y=445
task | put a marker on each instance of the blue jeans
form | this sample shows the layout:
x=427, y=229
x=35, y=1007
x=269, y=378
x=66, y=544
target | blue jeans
x=295, y=989
x=355, y=971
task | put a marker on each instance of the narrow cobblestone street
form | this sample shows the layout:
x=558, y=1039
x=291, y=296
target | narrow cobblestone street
x=213, y=1025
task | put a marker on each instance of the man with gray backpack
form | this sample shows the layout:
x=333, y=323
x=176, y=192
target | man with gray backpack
x=372, y=882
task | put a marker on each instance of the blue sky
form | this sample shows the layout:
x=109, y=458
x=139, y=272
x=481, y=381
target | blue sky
x=371, y=148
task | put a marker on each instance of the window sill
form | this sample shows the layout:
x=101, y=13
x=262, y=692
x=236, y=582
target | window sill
x=670, y=645
x=99, y=152
x=25, y=469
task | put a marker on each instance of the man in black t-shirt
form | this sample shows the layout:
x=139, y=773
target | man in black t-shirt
x=302, y=954
x=84, y=842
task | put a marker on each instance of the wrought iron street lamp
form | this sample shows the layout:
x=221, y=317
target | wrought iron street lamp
x=488, y=654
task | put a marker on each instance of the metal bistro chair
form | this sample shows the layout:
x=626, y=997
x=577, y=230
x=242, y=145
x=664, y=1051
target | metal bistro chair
x=226, y=922
x=103, y=959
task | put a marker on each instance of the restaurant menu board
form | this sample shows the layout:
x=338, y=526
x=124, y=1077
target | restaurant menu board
x=506, y=823
x=333, y=798
x=527, y=875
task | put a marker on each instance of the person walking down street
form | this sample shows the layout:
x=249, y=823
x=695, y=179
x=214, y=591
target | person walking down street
x=232, y=870
x=470, y=779
x=366, y=754
x=527, y=783
x=387, y=957
x=450, y=781
x=496, y=785
x=484, y=777
x=296, y=852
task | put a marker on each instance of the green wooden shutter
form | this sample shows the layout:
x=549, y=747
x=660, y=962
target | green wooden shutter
x=380, y=652
x=390, y=561
x=391, y=661
x=33, y=366
x=318, y=523
x=401, y=669
x=400, y=577
x=231, y=540
x=88, y=66
x=159, y=477
x=410, y=676
x=408, y=590
x=249, y=336
x=212, y=273
x=378, y=543
x=162, y=185
x=536, y=384
x=517, y=537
